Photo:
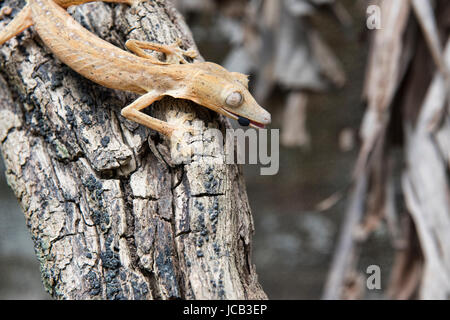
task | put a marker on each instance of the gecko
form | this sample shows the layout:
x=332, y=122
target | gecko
x=205, y=83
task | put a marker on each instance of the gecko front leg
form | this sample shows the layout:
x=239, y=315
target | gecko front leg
x=133, y=112
x=174, y=54
x=68, y=3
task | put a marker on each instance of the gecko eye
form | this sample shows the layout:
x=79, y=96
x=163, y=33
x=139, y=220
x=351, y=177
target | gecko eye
x=235, y=99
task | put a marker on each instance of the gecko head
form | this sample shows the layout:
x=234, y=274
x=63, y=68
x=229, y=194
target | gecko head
x=227, y=93
x=237, y=103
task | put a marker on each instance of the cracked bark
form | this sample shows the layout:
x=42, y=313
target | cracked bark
x=113, y=211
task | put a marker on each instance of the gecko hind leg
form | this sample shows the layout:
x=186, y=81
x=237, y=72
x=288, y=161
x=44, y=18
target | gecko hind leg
x=174, y=54
x=20, y=22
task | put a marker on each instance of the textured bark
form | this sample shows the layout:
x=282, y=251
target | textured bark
x=112, y=209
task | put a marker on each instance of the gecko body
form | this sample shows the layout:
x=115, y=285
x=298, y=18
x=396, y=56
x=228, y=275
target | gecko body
x=204, y=83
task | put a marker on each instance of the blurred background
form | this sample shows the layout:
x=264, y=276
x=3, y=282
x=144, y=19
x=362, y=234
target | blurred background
x=306, y=61
x=344, y=97
x=19, y=268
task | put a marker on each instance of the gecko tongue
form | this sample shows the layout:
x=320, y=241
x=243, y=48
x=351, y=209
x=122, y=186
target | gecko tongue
x=244, y=121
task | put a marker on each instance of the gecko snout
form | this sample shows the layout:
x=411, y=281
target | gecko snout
x=267, y=119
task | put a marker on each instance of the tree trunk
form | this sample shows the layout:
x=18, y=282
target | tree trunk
x=112, y=208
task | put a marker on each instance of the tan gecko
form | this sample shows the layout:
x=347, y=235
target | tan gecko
x=204, y=83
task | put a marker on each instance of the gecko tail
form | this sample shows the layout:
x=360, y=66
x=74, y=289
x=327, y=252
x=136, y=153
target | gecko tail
x=21, y=22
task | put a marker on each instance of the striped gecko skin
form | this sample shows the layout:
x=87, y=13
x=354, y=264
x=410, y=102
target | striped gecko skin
x=204, y=83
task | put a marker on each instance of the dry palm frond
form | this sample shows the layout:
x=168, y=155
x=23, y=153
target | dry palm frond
x=407, y=110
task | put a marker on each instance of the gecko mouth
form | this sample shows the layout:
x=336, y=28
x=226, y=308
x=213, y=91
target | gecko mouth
x=244, y=121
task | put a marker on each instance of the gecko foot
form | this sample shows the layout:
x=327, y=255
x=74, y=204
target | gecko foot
x=174, y=54
x=133, y=3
